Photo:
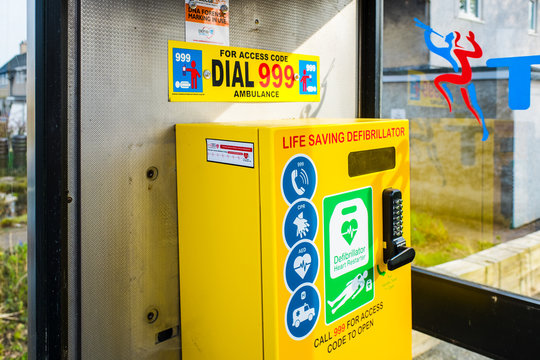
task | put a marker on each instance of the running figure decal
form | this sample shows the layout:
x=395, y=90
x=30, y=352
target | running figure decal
x=458, y=58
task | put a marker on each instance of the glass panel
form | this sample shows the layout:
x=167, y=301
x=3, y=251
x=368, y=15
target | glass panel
x=474, y=7
x=475, y=136
x=469, y=7
x=463, y=5
x=13, y=184
x=532, y=15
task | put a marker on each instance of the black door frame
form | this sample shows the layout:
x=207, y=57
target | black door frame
x=47, y=179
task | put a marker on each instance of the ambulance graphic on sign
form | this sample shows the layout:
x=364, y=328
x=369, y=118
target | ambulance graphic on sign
x=302, y=314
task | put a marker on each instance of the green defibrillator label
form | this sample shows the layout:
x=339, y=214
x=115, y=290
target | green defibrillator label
x=348, y=252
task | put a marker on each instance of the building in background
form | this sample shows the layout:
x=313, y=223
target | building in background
x=13, y=95
x=454, y=172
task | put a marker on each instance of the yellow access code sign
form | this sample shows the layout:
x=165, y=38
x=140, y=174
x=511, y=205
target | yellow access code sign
x=214, y=73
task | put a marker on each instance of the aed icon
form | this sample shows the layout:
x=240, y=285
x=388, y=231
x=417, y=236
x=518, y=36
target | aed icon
x=299, y=178
x=302, y=265
x=348, y=252
x=187, y=70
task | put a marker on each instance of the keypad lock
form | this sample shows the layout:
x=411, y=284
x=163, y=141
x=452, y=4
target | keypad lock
x=395, y=253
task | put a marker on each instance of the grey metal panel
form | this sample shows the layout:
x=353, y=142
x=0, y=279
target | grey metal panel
x=129, y=260
x=283, y=25
x=73, y=306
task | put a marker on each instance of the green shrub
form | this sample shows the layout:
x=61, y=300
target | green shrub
x=7, y=222
x=426, y=230
x=483, y=245
x=10, y=185
x=13, y=304
x=17, y=187
x=23, y=219
x=433, y=243
x=431, y=259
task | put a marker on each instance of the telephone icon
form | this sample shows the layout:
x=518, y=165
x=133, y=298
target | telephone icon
x=302, y=178
x=298, y=179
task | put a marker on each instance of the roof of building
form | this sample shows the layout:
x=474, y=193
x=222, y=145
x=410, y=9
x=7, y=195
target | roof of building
x=15, y=62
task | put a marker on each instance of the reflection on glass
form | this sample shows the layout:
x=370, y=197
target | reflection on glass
x=475, y=204
x=532, y=15
x=469, y=7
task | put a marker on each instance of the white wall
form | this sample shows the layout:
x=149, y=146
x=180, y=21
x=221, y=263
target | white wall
x=501, y=31
x=526, y=160
x=335, y=44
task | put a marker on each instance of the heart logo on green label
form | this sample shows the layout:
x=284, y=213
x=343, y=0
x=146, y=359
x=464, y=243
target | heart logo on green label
x=348, y=230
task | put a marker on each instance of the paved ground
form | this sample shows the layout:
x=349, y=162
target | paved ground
x=12, y=236
x=446, y=351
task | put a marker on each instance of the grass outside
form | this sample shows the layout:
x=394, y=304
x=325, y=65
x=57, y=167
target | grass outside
x=13, y=221
x=13, y=271
x=433, y=243
x=13, y=303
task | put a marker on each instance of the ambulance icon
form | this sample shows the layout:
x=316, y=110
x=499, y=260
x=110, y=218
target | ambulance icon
x=302, y=311
x=302, y=314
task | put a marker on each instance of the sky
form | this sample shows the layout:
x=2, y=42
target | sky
x=12, y=28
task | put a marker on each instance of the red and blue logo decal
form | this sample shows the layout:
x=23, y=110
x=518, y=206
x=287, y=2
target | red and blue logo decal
x=519, y=74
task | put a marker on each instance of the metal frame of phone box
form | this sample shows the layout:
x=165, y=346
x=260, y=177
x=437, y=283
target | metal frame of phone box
x=486, y=320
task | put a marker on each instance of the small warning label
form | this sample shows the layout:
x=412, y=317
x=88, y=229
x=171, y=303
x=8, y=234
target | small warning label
x=230, y=152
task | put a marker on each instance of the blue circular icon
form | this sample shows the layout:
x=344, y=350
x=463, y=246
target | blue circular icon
x=299, y=178
x=302, y=265
x=302, y=311
x=301, y=222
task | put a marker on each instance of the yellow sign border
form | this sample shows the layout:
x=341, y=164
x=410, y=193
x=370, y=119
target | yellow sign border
x=244, y=58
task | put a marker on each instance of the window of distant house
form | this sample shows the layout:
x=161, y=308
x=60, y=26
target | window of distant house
x=533, y=10
x=3, y=80
x=470, y=8
x=20, y=77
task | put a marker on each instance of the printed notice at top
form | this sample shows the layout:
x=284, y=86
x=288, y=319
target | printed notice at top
x=207, y=21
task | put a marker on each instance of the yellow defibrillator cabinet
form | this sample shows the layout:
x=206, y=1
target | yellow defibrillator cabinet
x=293, y=239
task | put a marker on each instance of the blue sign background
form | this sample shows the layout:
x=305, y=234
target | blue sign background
x=299, y=178
x=302, y=265
x=310, y=71
x=301, y=222
x=182, y=77
x=302, y=311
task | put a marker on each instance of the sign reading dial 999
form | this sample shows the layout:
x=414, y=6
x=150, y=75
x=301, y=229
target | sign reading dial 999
x=212, y=73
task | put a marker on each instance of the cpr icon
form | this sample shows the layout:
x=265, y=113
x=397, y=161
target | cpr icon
x=301, y=222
